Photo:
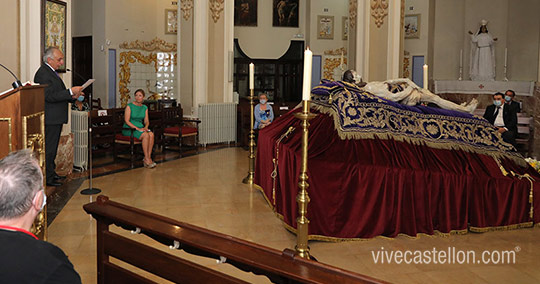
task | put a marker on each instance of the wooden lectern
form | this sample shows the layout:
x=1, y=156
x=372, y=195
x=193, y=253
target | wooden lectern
x=22, y=125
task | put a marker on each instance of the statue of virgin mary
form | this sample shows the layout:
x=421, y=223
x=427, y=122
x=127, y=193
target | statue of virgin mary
x=482, y=65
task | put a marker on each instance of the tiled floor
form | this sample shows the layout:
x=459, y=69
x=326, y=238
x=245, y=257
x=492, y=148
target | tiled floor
x=206, y=190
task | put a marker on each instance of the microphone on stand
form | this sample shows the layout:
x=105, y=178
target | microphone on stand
x=90, y=190
x=17, y=82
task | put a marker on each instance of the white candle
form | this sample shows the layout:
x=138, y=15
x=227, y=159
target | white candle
x=425, y=76
x=251, y=76
x=461, y=58
x=306, y=90
x=341, y=62
x=505, y=57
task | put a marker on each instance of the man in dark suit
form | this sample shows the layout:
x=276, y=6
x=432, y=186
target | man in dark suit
x=503, y=117
x=24, y=258
x=57, y=98
x=509, y=98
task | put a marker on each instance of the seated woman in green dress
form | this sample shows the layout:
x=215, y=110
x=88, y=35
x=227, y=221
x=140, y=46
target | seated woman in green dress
x=136, y=117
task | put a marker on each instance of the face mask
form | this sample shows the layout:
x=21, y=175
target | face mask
x=44, y=201
x=263, y=101
x=507, y=98
x=80, y=98
x=497, y=103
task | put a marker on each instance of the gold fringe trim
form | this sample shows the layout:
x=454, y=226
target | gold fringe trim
x=436, y=233
x=502, y=228
x=517, y=158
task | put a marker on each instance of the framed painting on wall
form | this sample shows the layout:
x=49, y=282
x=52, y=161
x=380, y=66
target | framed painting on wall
x=171, y=21
x=325, y=27
x=285, y=13
x=53, y=26
x=245, y=13
x=345, y=28
x=412, y=26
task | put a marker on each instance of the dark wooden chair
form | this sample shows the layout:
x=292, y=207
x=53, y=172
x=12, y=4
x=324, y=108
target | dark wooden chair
x=103, y=132
x=525, y=135
x=177, y=128
x=96, y=103
x=279, y=267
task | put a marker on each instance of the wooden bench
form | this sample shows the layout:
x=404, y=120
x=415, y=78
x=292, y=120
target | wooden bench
x=279, y=267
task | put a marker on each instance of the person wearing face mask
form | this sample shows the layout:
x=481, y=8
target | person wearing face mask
x=509, y=96
x=264, y=115
x=503, y=117
x=80, y=104
x=24, y=258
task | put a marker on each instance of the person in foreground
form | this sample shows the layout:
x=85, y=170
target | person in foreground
x=57, y=98
x=264, y=115
x=503, y=117
x=136, y=117
x=24, y=258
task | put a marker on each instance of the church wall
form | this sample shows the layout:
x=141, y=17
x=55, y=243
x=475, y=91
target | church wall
x=9, y=46
x=82, y=15
x=99, y=57
x=449, y=26
x=338, y=9
x=185, y=63
x=216, y=33
x=264, y=40
x=418, y=46
x=522, y=43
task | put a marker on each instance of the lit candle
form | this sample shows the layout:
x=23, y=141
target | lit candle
x=505, y=57
x=425, y=76
x=461, y=58
x=306, y=90
x=251, y=76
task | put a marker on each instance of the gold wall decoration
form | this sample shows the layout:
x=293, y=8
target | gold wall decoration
x=153, y=45
x=353, y=12
x=330, y=64
x=406, y=64
x=216, y=7
x=379, y=10
x=128, y=57
x=337, y=51
x=8, y=120
x=186, y=6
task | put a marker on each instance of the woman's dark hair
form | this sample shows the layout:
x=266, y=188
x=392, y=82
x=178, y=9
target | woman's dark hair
x=140, y=90
x=480, y=29
x=348, y=76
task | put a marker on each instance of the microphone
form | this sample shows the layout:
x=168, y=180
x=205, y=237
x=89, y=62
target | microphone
x=17, y=82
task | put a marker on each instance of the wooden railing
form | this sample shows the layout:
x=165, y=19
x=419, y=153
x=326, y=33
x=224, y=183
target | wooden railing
x=279, y=267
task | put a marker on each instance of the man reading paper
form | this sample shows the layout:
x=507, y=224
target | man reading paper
x=57, y=98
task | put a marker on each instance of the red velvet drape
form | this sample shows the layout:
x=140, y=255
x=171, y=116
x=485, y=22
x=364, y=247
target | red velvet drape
x=369, y=187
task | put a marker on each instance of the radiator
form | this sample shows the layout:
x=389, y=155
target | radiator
x=79, y=128
x=218, y=123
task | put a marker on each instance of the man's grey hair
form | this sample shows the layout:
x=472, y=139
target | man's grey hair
x=49, y=53
x=20, y=179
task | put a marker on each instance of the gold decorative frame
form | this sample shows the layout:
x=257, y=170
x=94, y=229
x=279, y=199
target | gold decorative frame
x=154, y=45
x=379, y=10
x=126, y=58
x=353, y=12
x=325, y=27
x=344, y=28
x=171, y=21
x=330, y=64
x=10, y=131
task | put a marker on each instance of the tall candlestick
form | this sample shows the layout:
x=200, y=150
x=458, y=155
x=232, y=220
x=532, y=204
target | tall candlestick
x=306, y=90
x=251, y=76
x=425, y=76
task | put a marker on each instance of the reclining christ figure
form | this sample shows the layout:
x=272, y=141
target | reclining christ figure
x=406, y=92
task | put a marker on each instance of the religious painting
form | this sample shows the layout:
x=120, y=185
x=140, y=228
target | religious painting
x=171, y=21
x=325, y=27
x=53, y=26
x=345, y=28
x=412, y=26
x=245, y=13
x=285, y=13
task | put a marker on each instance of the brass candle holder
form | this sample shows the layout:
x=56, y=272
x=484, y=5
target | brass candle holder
x=251, y=172
x=302, y=222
